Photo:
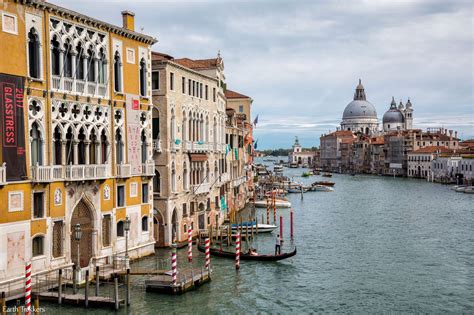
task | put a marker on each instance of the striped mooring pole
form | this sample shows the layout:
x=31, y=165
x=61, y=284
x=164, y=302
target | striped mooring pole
x=173, y=264
x=190, y=244
x=28, y=288
x=237, y=251
x=208, y=253
x=268, y=211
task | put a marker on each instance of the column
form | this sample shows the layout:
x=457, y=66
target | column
x=75, y=152
x=63, y=152
x=73, y=71
x=87, y=145
x=61, y=68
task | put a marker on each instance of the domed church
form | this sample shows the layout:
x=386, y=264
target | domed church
x=360, y=115
x=398, y=118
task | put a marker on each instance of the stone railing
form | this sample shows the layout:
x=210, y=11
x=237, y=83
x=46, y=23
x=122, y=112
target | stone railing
x=224, y=178
x=123, y=170
x=188, y=146
x=201, y=188
x=199, y=146
x=148, y=168
x=157, y=145
x=175, y=147
x=239, y=181
x=47, y=173
x=80, y=87
x=3, y=174
x=87, y=172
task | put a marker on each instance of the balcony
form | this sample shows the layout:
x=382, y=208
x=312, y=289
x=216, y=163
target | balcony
x=201, y=188
x=200, y=146
x=3, y=174
x=224, y=178
x=47, y=173
x=188, y=146
x=87, y=172
x=239, y=181
x=148, y=168
x=156, y=145
x=123, y=170
x=79, y=87
x=175, y=146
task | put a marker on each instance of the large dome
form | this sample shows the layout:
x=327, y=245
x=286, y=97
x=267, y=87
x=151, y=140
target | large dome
x=359, y=109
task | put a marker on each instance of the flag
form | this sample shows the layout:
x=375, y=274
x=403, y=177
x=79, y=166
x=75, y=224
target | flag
x=236, y=153
x=227, y=149
x=255, y=145
x=255, y=122
x=223, y=204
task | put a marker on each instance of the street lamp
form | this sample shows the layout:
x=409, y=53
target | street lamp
x=77, y=238
x=126, y=226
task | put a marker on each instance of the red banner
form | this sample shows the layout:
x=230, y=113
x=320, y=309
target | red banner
x=12, y=96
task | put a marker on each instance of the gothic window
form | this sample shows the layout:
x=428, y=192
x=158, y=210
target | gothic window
x=102, y=67
x=36, y=146
x=91, y=66
x=67, y=64
x=157, y=183
x=173, y=177
x=69, y=148
x=55, y=55
x=172, y=126
x=144, y=147
x=93, y=148
x=143, y=77
x=120, y=229
x=57, y=146
x=156, y=125
x=185, y=177
x=58, y=238
x=38, y=246
x=119, y=147
x=103, y=147
x=34, y=54
x=81, y=147
x=117, y=72
x=80, y=62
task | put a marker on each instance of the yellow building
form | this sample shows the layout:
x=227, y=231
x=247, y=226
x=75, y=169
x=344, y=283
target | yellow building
x=75, y=99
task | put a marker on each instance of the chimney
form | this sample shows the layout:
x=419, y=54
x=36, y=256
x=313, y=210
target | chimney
x=456, y=134
x=450, y=135
x=128, y=20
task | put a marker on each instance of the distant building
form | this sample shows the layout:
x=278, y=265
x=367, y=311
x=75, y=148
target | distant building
x=419, y=161
x=330, y=148
x=398, y=118
x=360, y=115
x=302, y=157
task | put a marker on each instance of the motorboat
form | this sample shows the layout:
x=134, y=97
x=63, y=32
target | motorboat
x=279, y=203
x=324, y=183
x=469, y=190
x=262, y=228
x=246, y=256
x=327, y=175
x=321, y=188
x=461, y=188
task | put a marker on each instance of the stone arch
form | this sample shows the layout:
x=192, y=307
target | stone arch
x=83, y=214
x=174, y=226
x=158, y=228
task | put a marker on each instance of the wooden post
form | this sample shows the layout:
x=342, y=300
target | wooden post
x=251, y=222
x=237, y=251
x=229, y=234
x=3, y=304
x=291, y=223
x=268, y=211
x=256, y=226
x=97, y=280
x=18, y=307
x=116, y=293
x=86, y=291
x=127, y=296
x=74, y=279
x=274, y=209
x=247, y=233
x=281, y=226
x=37, y=304
x=60, y=287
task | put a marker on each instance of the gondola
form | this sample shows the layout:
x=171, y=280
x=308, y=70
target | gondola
x=244, y=256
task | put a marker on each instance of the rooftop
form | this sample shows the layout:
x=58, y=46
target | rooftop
x=432, y=149
x=233, y=94
x=199, y=64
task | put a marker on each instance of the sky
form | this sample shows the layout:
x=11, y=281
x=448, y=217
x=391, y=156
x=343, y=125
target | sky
x=300, y=61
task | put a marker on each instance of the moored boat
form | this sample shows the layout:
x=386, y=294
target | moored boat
x=246, y=256
x=279, y=203
x=262, y=228
x=327, y=175
x=321, y=188
x=469, y=190
x=324, y=183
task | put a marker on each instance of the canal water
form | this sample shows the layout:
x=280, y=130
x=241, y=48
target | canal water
x=375, y=244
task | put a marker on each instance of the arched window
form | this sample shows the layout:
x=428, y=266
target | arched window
x=117, y=72
x=143, y=77
x=144, y=147
x=36, y=146
x=69, y=148
x=38, y=246
x=118, y=147
x=91, y=66
x=173, y=177
x=67, y=64
x=80, y=60
x=57, y=146
x=157, y=183
x=145, y=224
x=81, y=148
x=102, y=67
x=34, y=54
x=172, y=126
x=120, y=229
x=156, y=124
x=185, y=177
x=184, y=127
x=103, y=147
x=55, y=55
x=93, y=148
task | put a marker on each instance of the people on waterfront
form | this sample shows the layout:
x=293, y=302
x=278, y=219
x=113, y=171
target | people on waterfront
x=277, y=245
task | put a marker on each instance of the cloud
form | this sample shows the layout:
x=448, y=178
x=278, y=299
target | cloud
x=300, y=60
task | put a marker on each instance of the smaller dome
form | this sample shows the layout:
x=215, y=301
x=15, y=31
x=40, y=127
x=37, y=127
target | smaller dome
x=393, y=115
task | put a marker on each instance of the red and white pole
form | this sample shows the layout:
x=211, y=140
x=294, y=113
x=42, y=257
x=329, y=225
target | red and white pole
x=208, y=253
x=281, y=226
x=173, y=265
x=28, y=288
x=190, y=244
x=291, y=223
x=237, y=251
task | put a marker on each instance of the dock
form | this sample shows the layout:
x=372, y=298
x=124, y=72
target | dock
x=79, y=299
x=186, y=281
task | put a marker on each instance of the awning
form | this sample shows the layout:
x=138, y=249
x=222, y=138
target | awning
x=198, y=157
